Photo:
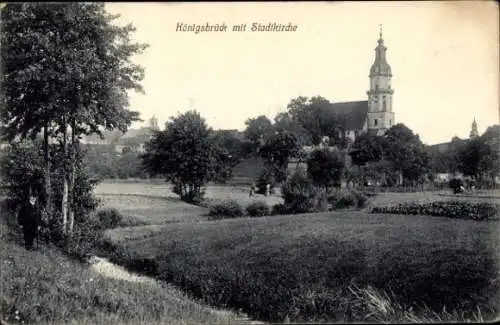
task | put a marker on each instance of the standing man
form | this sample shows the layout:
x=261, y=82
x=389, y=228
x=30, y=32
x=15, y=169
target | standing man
x=29, y=219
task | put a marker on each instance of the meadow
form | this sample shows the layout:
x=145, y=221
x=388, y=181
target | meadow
x=46, y=287
x=328, y=266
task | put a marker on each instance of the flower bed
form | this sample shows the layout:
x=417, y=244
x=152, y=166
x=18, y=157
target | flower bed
x=451, y=209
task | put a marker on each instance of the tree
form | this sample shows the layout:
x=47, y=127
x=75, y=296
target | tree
x=325, y=167
x=492, y=138
x=284, y=122
x=316, y=116
x=453, y=154
x=184, y=153
x=22, y=169
x=66, y=69
x=406, y=153
x=477, y=159
x=277, y=151
x=258, y=130
x=367, y=148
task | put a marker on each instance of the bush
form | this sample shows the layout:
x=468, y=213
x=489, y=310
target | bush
x=301, y=196
x=227, y=208
x=86, y=239
x=346, y=199
x=325, y=167
x=109, y=218
x=279, y=208
x=452, y=209
x=258, y=209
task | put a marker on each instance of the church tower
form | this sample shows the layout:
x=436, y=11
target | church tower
x=153, y=124
x=473, y=132
x=380, y=114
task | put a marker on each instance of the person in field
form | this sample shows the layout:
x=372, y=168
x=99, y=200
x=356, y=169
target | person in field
x=252, y=190
x=29, y=218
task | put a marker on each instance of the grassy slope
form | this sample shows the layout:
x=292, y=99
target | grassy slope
x=296, y=265
x=144, y=210
x=45, y=287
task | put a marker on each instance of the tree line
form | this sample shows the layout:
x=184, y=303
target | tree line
x=66, y=73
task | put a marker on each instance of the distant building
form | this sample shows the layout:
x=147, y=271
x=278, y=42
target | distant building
x=473, y=132
x=375, y=114
x=153, y=124
x=444, y=146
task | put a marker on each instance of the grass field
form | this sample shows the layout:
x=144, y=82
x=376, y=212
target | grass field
x=304, y=267
x=145, y=210
x=45, y=287
x=300, y=266
x=149, y=204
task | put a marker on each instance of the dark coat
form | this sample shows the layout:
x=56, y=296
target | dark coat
x=29, y=216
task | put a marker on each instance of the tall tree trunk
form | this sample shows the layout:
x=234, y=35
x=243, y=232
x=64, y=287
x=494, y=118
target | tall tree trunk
x=47, y=182
x=72, y=175
x=64, y=203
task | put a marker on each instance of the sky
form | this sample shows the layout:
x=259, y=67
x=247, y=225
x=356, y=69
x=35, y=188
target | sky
x=444, y=58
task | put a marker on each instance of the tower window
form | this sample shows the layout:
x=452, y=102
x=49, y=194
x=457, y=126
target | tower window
x=375, y=122
x=384, y=106
x=376, y=87
x=390, y=122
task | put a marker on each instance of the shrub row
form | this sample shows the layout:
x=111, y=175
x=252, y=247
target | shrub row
x=346, y=199
x=451, y=209
x=232, y=209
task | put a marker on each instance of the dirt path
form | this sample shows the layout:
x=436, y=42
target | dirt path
x=104, y=267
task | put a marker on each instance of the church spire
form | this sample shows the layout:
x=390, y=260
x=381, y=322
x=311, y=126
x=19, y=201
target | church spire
x=380, y=67
x=473, y=132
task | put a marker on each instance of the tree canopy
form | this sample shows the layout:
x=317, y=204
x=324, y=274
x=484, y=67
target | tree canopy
x=185, y=154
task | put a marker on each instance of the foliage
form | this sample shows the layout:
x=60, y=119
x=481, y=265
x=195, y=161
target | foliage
x=367, y=148
x=379, y=173
x=340, y=199
x=284, y=122
x=277, y=151
x=185, y=154
x=406, y=153
x=258, y=130
x=22, y=167
x=479, y=211
x=226, y=208
x=316, y=116
x=279, y=208
x=109, y=218
x=258, y=209
x=325, y=167
x=104, y=162
x=66, y=70
x=90, y=81
x=229, y=141
x=478, y=160
x=301, y=196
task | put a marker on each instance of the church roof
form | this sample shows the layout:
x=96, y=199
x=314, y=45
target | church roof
x=355, y=113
